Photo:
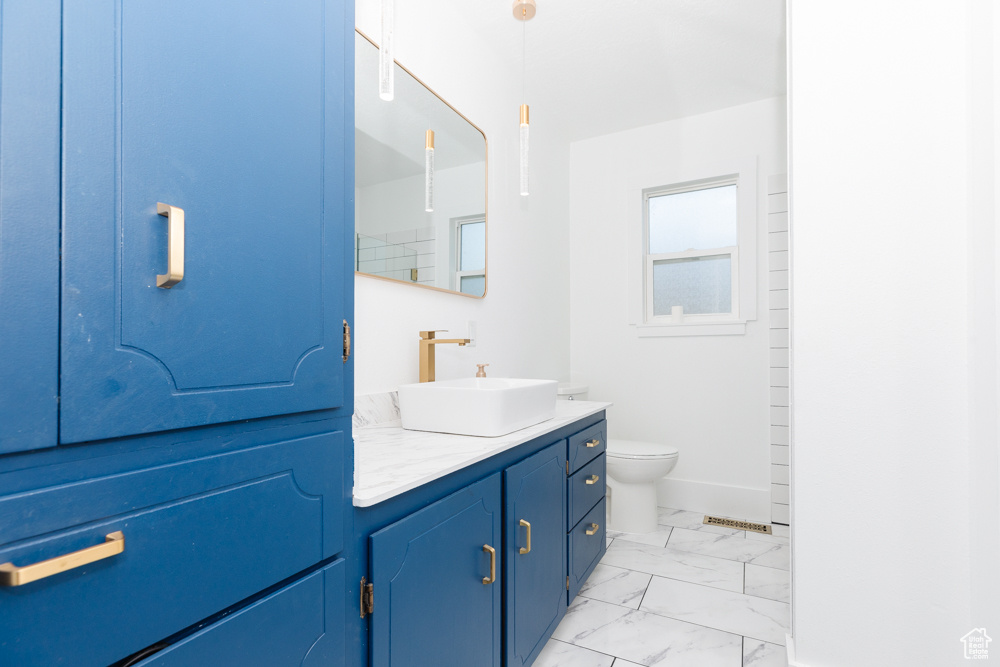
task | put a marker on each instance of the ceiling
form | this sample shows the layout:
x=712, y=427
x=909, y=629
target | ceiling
x=602, y=66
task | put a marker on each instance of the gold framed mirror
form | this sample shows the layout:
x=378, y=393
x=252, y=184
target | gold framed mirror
x=420, y=215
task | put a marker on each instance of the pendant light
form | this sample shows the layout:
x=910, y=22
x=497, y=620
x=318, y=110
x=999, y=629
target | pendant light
x=386, y=69
x=429, y=171
x=524, y=11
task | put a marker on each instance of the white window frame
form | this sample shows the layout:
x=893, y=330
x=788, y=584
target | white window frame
x=457, y=256
x=743, y=173
x=729, y=251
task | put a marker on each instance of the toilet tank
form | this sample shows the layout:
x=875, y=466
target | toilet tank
x=569, y=391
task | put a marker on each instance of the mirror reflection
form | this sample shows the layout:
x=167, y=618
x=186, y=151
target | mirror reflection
x=397, y=179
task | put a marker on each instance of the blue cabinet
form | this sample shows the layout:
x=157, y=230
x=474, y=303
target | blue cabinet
x=215, y=482
x=586, y=487
x=437, y=584
x=433, y=600
x=535, y=552
x=241, y=115
x=29, y=223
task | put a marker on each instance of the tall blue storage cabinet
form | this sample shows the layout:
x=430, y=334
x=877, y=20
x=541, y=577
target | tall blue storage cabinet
x=186, y=446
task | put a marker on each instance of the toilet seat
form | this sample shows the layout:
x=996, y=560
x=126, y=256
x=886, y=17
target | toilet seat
x=637, y=449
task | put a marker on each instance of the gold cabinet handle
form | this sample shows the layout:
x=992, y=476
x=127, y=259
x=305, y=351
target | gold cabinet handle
x=11, y=575
x=592, y=479
x=493, y=565
x=526, y=550
x=593, y=529
x=593, y=443
x=175, y=245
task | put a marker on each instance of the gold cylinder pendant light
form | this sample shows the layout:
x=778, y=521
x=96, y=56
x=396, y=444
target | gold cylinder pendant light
x=524, y=11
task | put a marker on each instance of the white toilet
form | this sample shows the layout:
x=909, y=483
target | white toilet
x=634, y=468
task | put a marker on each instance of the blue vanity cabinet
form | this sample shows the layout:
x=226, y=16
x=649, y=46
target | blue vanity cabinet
x=535, y=552
x=438, y=584
x=29, y=223
x=240, y=114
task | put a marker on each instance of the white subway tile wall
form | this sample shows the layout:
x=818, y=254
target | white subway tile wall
x=777, y=244
x=407, y=255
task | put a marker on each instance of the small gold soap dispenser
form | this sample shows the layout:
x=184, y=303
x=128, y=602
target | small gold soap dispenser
x=481, y=373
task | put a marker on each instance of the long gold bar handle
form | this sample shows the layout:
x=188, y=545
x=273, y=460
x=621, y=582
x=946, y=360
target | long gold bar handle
x=493, y=565
x=592, y=479
x=175, y=245
x=593, y=529
x=593, y=443
x=11, y=575
x=526, y=550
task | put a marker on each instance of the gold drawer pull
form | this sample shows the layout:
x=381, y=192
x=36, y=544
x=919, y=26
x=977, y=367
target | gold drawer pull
x=493, y=565
x=593, y=529
x=11, y=575
x=592, y=479
x=175, y=245
x=526, y=550
x=593, y=443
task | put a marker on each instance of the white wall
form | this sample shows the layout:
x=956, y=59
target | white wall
x=895, y=516
x=707, y=395
x=523, y=323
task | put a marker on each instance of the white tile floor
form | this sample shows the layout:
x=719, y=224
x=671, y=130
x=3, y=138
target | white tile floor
x=686, y=595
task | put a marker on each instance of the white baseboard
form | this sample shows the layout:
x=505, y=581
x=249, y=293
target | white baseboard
x=737, y=502
x=790, y=651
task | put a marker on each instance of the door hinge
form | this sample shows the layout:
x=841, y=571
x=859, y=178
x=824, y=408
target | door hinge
x=367, y=597
x=347, y=340
x=567, y=582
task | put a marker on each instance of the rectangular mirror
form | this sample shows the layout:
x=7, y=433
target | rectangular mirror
x=396, y=237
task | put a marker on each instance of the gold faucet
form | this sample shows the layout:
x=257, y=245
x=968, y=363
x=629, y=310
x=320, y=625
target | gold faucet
x=427, y=343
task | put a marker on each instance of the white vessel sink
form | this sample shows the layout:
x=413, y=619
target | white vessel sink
x=477, y=406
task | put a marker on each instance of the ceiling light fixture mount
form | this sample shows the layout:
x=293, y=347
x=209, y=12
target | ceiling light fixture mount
x=524, y=10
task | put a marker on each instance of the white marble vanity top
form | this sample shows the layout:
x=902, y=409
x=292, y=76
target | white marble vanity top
x=389, y=460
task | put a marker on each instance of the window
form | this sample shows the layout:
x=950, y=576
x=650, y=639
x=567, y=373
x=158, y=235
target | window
x=693, y=249
x=470, y=259
x=692, y=253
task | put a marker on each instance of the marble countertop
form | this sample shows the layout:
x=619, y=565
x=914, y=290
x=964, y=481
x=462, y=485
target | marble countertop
x=389, y=460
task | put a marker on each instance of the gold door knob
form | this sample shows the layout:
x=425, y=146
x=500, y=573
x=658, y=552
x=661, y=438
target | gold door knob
x=593, y=443
x=526, y=550
x=11, y=575
x=593, y=529
x=592, y=479
x=493, y=565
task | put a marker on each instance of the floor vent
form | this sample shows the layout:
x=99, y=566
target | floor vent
x=738, y=525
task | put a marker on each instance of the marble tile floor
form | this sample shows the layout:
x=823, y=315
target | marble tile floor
x=686, y=595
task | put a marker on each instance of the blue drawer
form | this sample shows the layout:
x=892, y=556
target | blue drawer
x=586, y=444
x=585, y=551
x=200, y=535
x=300, y=624
x=585, y=487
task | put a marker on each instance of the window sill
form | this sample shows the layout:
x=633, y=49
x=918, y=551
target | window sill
x=691, y=329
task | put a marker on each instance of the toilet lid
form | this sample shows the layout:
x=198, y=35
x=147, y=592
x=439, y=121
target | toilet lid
x=637, y=449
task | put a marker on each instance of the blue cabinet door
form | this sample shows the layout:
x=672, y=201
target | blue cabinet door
x=535, y=573
x=301, y=624
x=29, y=223
x=240, y=114
x=436, y=602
